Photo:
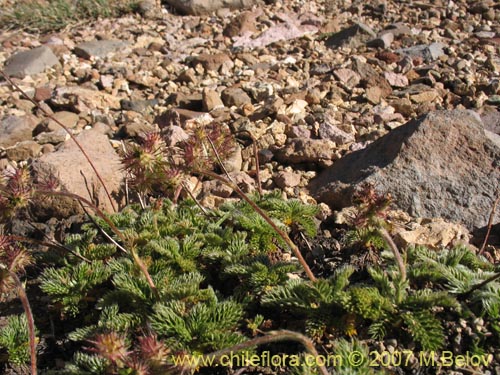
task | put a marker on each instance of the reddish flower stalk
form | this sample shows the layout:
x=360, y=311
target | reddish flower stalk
x=29, y=316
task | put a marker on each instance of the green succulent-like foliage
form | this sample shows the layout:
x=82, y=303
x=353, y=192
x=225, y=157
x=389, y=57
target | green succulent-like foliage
x=321, y=304
x=14, y=339
x=71, y=286
x=199, y=328
x=459, y=270
x=292, y=216
x=183, y=281
x=386, y=307
x=343, y=351
x=417, y=311
x=207, y=269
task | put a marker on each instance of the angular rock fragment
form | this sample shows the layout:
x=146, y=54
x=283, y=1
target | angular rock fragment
x=235, y=96
x=15, y=129
x=76, y=176
x=353, y=36
x=30, y=62
x=98, y=48
x=441, y=165
x=428, y=53
x=203, y=7
x=298, y=151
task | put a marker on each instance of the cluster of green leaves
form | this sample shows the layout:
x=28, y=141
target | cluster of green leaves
x=56, y=14
x=336, y=306
x=191, y=256
x=221, y=276
x=15, y=339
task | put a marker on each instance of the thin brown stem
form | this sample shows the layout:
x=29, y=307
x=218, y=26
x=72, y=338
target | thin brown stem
x=395, y=251
x=490, y=223
x=257, y=162
x=115, y=230
x=48, y=115
x=190, y=193
x=29, y=317
x=101, y=229
x=273, y=336
x=480, y=285
x=145, y=272
x=266, y=217
x=53, y=245
x=219, y=160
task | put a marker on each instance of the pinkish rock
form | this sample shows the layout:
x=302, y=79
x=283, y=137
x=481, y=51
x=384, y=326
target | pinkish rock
x=347, y=77
x=290, y=28
x=286, y=179
x=76, y=176
x=395, y=79
x=331, y=132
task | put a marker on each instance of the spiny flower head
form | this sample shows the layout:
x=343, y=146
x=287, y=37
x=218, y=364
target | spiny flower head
x=153, y=349
x=112, y=346
x=16, y=189
x=149, y=164
x=198, y=149
x=372, y=206
x=148, y=155
x=13, y=258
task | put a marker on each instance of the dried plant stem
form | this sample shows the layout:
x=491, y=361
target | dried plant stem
x=480, y=285
x=490, y=222
x=51, y=244
x=219, y=160
x=273, y=336
x=395, y=251
x=48, y=115
x=101, y=229
x=257, y=162
x=145, y=272
x=266, y=217
x=29, y=317
x=190, y=193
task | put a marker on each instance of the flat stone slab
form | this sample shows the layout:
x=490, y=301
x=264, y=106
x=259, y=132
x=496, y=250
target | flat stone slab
x=98, y=48
x=34, y=61
x=201, y=7
x=15, y=129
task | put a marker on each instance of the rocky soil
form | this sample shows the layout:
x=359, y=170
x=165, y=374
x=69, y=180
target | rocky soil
x=332, y=91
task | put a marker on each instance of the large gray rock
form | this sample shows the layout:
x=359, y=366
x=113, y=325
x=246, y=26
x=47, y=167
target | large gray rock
x=15, y=129
x=76, y=176
x=200, y=7
x=29, y=62
x=441, y=165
